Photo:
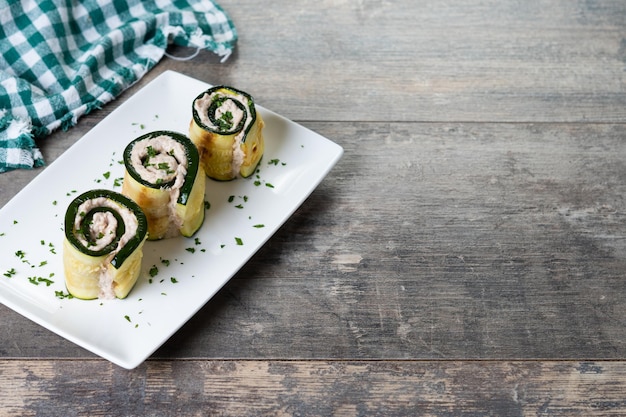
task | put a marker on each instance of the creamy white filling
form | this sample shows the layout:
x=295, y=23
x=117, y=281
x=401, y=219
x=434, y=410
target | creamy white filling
x=159, y=159
x=202, y=105
x=229, y=106
x=106, y=223
x=163, y=159
x=102, y=230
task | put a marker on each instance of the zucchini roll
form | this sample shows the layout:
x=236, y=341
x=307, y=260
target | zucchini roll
x=228, y=132
x=164, y=176
x=103, y=246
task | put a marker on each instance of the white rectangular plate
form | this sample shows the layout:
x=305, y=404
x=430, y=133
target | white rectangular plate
x=243, y=215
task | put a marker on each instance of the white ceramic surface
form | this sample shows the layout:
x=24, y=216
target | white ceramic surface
x=190, y=270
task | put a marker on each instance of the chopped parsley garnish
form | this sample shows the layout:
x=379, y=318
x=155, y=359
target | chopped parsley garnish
x=258, y=226
x=10, y=273
x=231, y=198
x=219, y=100
x=174, y=280
x=267, y=184
x=107, y=175
x=190, y=250
x=225, y=122
x=164, y=166
x=61, y=294
x=46, y=281
x=239, y=241
x=153, y=271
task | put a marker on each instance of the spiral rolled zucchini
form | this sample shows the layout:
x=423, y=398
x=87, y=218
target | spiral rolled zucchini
x=228, y=132
x=103, y=246
x=164, y=177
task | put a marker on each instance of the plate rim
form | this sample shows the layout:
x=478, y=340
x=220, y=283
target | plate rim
x=25, y=307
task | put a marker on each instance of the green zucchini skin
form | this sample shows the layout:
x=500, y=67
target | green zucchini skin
x=213, y=107
x=71, y=233
x=193, y=163
x=227, y=129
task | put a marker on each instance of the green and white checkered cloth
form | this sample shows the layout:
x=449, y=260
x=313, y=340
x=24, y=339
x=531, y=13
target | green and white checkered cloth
x=60, y=59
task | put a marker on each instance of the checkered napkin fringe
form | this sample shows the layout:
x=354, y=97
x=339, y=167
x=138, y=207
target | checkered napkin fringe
x=60, y=59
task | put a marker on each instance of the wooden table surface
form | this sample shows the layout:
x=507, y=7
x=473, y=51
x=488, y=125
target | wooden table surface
x=466, y=256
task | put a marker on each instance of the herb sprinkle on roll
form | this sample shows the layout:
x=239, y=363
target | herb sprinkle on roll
x=228, y=132
x=164, y=177
x=103, y=246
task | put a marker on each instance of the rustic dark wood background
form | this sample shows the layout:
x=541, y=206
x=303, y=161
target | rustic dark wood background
x=466, y=256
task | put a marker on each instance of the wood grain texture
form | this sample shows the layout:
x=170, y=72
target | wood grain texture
x=430, y=241
x=374, y=60
x=313, y=388
x=414, y=247
x=479, y=60
x=466, y=256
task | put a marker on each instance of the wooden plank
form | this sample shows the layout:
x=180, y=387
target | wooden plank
x=479, y=60
x=312, y=388
x=465, y=257
x=429, y=241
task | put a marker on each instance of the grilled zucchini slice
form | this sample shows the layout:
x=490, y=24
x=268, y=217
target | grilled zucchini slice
x=228, y=132
x=103, y=246
x=164, y=177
